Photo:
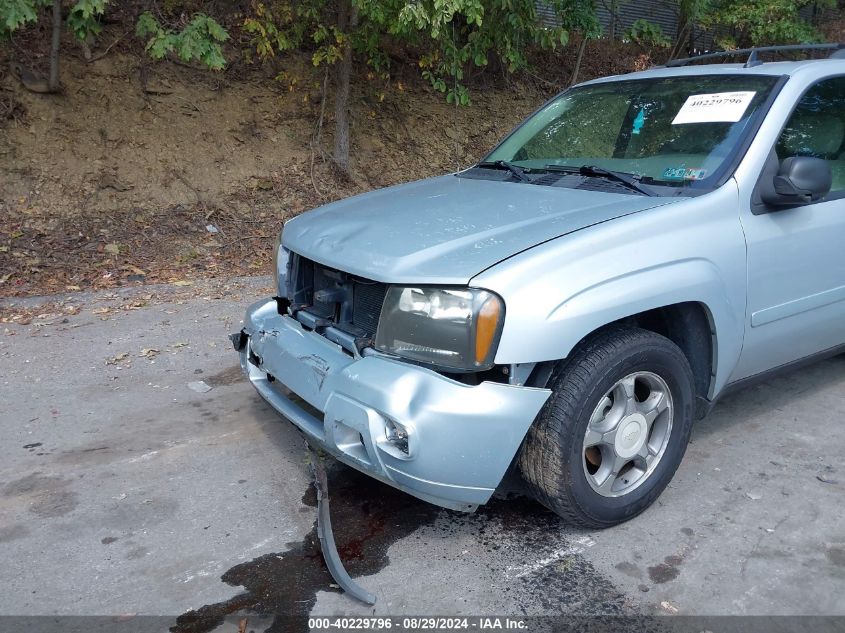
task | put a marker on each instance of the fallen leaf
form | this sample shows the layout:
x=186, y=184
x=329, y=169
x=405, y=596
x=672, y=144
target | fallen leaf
x=131, y=269
x=183, y=282
x=112, y=248
x=114, y=360
x=150, y=352
x=668, y=606
x=72, y=288
x=100, y=310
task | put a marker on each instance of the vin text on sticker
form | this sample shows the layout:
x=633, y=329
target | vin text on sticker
x=718, y=107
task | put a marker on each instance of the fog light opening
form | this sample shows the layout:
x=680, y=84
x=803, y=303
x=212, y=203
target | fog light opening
x=397, y=435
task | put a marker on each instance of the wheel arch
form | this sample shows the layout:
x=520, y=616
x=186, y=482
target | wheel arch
x=688, y=324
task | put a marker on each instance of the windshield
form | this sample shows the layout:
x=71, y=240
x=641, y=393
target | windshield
x=675, y=131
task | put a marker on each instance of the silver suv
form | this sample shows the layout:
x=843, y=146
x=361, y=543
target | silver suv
x=568, y=306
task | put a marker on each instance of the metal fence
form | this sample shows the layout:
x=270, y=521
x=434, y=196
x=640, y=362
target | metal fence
x=664, y=13
x=661, y=12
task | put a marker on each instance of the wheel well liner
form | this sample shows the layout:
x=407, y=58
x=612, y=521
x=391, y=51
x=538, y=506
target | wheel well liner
x=688, y=325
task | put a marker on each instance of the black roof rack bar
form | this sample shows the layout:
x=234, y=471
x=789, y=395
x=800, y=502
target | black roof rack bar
x=753, y=52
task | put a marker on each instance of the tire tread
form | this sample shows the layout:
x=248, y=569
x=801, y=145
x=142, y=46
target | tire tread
x=542, y=459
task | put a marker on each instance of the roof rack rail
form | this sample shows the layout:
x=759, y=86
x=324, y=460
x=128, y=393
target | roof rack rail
x=753, y=52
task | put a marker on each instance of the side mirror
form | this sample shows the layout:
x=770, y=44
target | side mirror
x=800, y=180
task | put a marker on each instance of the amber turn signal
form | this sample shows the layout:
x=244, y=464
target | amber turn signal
x=486, y=328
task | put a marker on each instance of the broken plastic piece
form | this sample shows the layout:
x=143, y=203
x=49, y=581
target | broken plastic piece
x=238, y=340
x=326, y=536
x=199, y=386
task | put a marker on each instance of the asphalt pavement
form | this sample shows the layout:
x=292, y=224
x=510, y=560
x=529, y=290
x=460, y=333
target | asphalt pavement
x=125, y=489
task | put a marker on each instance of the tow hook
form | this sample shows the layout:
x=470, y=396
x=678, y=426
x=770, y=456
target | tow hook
x=326, y=536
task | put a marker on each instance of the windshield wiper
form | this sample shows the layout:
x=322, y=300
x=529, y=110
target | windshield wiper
x=503, y=164
x=629, y=180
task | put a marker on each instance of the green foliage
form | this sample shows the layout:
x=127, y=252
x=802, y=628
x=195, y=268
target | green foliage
x=84, y=18
x=198, y=41
x=695, y=11
x=447, y=36
x=275, y=29
x=647, y=34
x=463, y=32
x=16, y=13
x=765, y=22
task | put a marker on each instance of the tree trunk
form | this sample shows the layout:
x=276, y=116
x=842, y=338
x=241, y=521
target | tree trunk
x=53, y=83
x=684, y=36
x=578, y=60
x=347, y=19
x=614, y=19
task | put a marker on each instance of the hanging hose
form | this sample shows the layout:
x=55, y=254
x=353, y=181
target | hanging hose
x=324, y=532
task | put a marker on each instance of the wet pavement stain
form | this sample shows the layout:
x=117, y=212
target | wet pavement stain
x=667, y=570
x=367, y=518
x=836, y=555
x=47, y=495
x=12, y=532
x=663, y=573
x=629, y=569
x=230, y=376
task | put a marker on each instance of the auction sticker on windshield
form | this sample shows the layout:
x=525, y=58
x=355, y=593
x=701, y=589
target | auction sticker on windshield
x=717, y=107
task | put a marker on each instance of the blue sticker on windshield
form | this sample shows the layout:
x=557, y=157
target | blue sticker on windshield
x=684, y=173
x=639, y=122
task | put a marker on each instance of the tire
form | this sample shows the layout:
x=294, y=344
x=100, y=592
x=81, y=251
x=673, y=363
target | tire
x=626, y=370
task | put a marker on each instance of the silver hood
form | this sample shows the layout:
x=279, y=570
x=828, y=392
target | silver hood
x=446, y=230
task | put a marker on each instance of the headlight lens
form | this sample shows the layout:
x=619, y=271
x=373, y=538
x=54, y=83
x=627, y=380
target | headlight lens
x=280, y=266
x=451, y=328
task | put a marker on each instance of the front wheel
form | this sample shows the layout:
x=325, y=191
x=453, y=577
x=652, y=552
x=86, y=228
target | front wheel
x=615, y=429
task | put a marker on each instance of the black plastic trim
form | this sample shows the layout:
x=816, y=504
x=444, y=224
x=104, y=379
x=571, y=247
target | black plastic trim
x=750, y=134
x=780, y=370
x=758, y=207
x=239, y=340
x=752, y=53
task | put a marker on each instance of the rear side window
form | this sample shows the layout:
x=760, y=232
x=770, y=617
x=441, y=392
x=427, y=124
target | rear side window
x=817, y=128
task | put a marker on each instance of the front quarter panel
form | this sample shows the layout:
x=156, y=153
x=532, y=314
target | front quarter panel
x=559, y=292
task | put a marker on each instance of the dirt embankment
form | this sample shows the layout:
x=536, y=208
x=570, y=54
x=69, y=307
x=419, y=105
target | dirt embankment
x=150, y=172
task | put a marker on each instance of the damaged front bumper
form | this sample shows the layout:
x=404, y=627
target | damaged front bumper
x=412, y=428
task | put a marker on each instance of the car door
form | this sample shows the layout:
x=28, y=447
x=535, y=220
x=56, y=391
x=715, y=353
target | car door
x=796, y=256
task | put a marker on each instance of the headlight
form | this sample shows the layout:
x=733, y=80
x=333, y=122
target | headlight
x=280, y=266
x=451, y=328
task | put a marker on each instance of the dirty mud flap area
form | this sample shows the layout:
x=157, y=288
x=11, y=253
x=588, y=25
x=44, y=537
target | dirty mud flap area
x=541, y=569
